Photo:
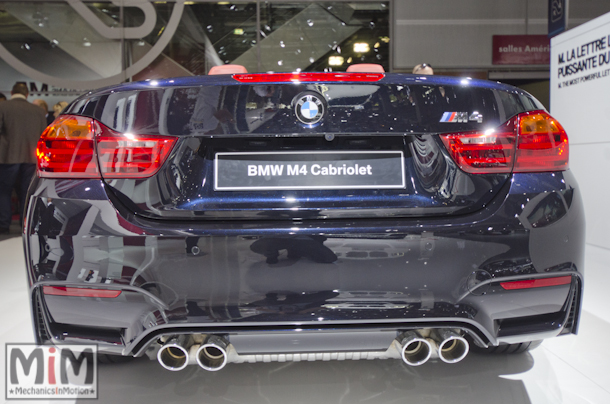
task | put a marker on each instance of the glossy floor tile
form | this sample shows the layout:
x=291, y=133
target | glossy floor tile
x=571, y=370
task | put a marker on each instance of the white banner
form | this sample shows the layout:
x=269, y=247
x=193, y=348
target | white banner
x=580, y=88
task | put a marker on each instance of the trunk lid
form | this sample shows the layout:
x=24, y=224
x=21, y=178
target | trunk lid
x=307, y=150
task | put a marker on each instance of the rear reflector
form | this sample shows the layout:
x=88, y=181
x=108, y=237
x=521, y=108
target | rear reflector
x=537, y=283
x=307, y=77
x=66, y=148
x=530, y=142
x=80, y=292
x=73, y=146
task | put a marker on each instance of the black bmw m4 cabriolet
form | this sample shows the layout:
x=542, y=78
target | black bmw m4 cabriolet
x=241, y=217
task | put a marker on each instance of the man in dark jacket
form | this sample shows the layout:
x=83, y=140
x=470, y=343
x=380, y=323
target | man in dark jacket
x=21, y=125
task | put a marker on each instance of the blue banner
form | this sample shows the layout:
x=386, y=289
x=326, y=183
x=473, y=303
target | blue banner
x=558, y=16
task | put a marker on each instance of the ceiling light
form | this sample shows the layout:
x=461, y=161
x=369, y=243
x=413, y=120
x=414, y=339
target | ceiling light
x=335, y=60
x=361, y=47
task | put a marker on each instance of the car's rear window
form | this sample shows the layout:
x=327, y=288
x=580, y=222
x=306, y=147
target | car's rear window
x=272, y=109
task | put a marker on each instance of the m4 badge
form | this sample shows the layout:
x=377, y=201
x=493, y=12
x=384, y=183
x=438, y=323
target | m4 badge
x=463, y=117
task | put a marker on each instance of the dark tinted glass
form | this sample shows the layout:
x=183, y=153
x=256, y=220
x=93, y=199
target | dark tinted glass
x=346, y=108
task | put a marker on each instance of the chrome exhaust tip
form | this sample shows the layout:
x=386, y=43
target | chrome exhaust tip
x=173, y=355
x=452, y=348
x=212, y=355
x=415, y=350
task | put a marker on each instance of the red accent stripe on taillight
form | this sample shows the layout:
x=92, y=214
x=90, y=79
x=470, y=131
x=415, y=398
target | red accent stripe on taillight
x=125, y=155
x=530, y=142
x=66, y=149
x=483, y=153
x=537, y=283
x=80, y=292
x=307, y=77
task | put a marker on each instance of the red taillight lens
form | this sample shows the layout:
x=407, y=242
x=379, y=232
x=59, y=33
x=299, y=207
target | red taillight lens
x=123, y=155
x=80, y=292
x=482, y=153
x=73, y=146
x=530, y=142
x=306, y=77
x=537, y=283
x=66, y=149
x=543, y=144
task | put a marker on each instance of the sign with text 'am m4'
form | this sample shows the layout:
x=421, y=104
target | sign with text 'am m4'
x=51, y=372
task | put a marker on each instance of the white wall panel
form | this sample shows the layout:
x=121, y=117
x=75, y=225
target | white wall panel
x=450, y=43
x=458, y=33
x=460, y=9
x=455, y=33
x=583, y=108
x=590, y=164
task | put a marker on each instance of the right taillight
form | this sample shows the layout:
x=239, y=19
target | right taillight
x=543, y=144
x=530, y=142
x=79, y=147
x=483, y=153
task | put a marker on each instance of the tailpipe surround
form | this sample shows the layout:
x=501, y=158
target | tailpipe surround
x=415, y=349
x=212, y=354
x=174, y=354
x=452, y=348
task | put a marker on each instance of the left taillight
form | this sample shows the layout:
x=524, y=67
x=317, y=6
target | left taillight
x=79, y=147
x=125, y=155
x=66, y=149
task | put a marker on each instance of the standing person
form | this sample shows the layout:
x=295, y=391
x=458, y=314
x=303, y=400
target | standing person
x=423, y=68
x=21, y=125
x=57, y=108
x=45, y=107
x=2, y=97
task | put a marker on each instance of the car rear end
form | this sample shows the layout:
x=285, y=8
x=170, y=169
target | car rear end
x=306, y=216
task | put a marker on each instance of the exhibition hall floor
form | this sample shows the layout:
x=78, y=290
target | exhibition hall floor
x=572, y=369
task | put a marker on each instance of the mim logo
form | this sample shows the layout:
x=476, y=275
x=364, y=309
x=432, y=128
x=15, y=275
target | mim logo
x=48, y=372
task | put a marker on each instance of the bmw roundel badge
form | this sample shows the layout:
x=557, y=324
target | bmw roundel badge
x=309, y=109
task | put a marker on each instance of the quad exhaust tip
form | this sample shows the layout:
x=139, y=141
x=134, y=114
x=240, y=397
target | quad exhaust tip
x=173, y=355
x=415, y=350
x=452, y=348
x=212, y=355
x=180, y=351
x=211, y=352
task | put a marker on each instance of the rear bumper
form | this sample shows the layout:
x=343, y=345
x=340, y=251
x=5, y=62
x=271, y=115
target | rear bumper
x=303, y=285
